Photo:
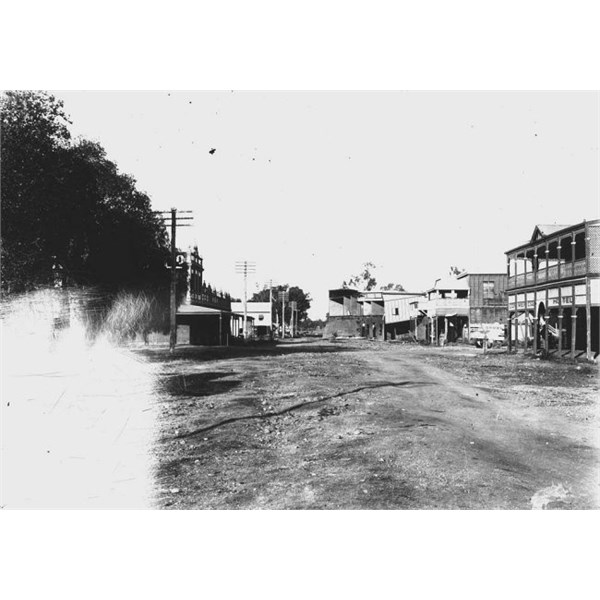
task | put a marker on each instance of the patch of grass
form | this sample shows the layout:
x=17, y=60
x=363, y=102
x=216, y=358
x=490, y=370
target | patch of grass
x=134, y=313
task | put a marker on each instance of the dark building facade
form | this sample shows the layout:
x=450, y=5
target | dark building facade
x=205, y=311
x=487, y=302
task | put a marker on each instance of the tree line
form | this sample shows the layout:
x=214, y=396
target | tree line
x=295, y=294
x=67, y=211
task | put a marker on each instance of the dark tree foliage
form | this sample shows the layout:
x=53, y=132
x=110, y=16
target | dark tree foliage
x=297, y=294
x=455, y=271
x=66, y=207
x=392, y=287
x=312, y=327
x=33, y=134
x=365, y=280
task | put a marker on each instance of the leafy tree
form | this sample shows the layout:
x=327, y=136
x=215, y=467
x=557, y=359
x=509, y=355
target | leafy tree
x=66, y=207
x=124, y=244
x=296, y=294
x=33, y=132
x=311, y=327
x=393, y=287
x=365, y=280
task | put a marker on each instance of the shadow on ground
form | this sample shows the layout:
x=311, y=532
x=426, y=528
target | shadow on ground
x=198, y=384
x=206, y=353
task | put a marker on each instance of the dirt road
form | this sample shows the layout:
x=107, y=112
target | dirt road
x=358, y=425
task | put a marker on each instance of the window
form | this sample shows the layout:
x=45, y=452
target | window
x=488, y=289
x=396, y=311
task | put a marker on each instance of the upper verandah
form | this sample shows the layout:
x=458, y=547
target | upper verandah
x=555, y=253
x=548, y=233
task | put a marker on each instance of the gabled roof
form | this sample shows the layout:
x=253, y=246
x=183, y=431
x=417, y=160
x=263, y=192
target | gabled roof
x=544, y=231
x=541, y=231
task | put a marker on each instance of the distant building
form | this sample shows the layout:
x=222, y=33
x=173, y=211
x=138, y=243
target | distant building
x=468, y=307
x=343, y=302
x=446, y=309
x=554, y=290
x=372, y=315
x=394, y=307
x=345, y=316
x=261, y=324
x=487, y=305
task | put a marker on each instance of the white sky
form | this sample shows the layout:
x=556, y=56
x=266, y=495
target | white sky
x=310, y=185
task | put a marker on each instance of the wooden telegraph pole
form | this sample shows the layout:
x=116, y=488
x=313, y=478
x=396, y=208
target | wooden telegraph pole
x=175, y=222
x=273, y=325
x=283, y=296
x=294, y=307
x=245, y=267
x=173, y=304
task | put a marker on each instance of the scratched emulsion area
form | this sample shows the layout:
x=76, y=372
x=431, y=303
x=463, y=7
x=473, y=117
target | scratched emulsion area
x=77, y=417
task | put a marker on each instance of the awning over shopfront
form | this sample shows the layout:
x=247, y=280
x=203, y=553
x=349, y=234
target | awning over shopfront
x=193, y=310
x=208, y=326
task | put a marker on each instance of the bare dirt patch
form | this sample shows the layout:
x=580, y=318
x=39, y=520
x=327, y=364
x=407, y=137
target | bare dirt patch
x=355, y=424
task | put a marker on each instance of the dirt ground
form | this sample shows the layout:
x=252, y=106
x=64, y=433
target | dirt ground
x=313, y=424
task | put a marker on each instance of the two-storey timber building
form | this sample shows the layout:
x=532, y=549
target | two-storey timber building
x=554, y=290
x=469, y=307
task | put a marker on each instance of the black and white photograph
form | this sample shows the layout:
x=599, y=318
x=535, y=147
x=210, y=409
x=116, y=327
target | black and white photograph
x=299, y=301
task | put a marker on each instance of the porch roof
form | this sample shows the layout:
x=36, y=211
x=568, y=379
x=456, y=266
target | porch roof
x=193, y=310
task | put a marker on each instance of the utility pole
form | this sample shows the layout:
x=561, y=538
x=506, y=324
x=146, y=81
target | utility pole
x=173, y=299
x=293, y=307
x=245, y=267
x=271, y=306
x=283, y=296
x=173, y=319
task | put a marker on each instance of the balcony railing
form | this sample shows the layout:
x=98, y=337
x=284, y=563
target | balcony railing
x=579, y=267
x=544, y=275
